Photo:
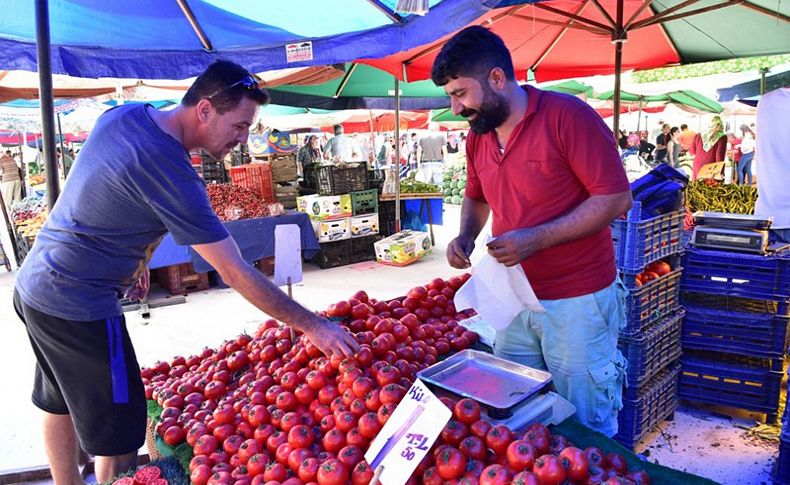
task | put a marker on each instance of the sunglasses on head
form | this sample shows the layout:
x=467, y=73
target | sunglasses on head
x=247, y=81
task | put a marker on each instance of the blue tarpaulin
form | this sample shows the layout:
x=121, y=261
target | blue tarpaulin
x=154, y=39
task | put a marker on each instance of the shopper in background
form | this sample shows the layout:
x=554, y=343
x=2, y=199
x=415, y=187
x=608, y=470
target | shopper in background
x=773, y=196
x=309, y=154
x=748, y=143
x=661, y=144
x=414, y=145
x=452, y=144
x=686, y=138
x=64, y=161
x=134, y=184
x=734, y=151
x=673, y=147
x=340, y=148
x=10, y=177
x=431, y=152
x=710, y=147
x=544, y=165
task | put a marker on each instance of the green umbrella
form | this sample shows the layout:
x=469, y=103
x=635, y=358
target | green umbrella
x=573, y=87
x=687, y=100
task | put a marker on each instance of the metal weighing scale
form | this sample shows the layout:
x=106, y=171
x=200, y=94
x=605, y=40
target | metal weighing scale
x=510, y=394
x=731, y=232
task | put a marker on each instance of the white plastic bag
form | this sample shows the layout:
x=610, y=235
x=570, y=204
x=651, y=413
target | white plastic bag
x=497, y=292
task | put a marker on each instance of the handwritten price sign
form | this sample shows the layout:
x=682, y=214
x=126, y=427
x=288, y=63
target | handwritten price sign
x=408, y=435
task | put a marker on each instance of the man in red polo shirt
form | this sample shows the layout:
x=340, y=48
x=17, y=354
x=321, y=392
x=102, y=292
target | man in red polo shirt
x=547, y=168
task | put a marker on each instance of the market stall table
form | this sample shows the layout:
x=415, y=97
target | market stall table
x=255, y=238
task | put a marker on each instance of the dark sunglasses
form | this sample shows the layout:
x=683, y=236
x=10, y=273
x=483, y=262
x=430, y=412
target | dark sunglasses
x=247, y=81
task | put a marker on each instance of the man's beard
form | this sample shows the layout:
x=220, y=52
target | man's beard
x=493, y=111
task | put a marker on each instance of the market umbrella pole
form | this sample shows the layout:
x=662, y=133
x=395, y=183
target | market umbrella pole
x=397, y=155
x=619, y=36
x=62, y=148
x=46, y=100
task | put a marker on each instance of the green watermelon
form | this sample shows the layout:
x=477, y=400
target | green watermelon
x=448, y=200
x=456, y=200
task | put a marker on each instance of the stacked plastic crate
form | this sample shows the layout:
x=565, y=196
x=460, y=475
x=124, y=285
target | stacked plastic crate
x=735, y=335
x=782, y=472
x=651, y=339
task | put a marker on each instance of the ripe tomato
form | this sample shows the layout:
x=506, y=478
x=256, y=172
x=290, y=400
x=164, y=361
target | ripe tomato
x=473, y=447
x=617, y=463
x=392, y=393
x=549, y=470
x=557, y=443
x=431, y=477
x=334, y=440
x=369, y=425
x=256, y=465
x=495, y=475
x=454, y=431
x=480, y=428
x=308, y=470
x=467, y=411
x=450, y=463
x=301, y=436
x=499, y=438
x=350, y=455
x=525, y=478
x=275, y=472
x=362, y=474
x=384, y=412
x=575, y=463
x=361, y=311
x=332, y=472
x=205, y=445
x=296, y=457
x=595, y=456
x=520, y=455
x=339, y=310
x=200, y=475
x=639, y=477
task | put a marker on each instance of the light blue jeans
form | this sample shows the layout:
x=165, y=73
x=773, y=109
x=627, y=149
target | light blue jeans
x=576, y=341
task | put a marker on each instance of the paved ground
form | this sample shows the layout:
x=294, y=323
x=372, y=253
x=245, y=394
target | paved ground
x=715, y=446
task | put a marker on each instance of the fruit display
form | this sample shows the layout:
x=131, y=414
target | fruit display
x=454, y=185
x=233, y=202
x=29, y=216
x=262, y=408
x=410, y=185
x=714, y=196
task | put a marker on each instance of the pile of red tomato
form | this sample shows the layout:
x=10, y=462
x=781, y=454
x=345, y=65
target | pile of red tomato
x=262, y=409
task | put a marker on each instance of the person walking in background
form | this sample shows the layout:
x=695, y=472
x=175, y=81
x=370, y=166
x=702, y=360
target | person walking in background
x=686, y=138
x=673, y=147
x=748, y=143
x=65, y=161
x=710, y=147
x=661, y=144
x=734, y=151
x=414, y=145
x=431, y=152
x=339, y=148
x=10, y=176
x=309, y=154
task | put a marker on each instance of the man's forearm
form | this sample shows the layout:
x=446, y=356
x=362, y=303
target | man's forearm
x=474, y=215
x=591, y=216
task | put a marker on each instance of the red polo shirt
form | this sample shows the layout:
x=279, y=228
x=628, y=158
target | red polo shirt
x=559, y=155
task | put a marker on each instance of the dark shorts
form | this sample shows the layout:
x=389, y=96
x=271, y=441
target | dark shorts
x=89, y=371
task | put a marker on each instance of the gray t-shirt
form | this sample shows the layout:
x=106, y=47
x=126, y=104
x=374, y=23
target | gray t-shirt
x=432, y=148
x=134, y=183
x=342, y=146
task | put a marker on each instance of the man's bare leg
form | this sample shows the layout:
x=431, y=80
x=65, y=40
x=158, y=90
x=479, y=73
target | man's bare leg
x=60, y=442
x=108, y=467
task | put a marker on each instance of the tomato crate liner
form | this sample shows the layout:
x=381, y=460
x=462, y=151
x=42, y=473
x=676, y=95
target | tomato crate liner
x=651, y=302
x=182, y=453
x=748, y=383
x=638, y=242
x=652, y=350
x=737, y=274
x=583, y=437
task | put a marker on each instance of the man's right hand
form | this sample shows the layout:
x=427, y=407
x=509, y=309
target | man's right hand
x=331, y=339
x=458, y=252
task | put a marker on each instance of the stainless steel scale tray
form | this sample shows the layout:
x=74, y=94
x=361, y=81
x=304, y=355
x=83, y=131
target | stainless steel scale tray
x=726, y=220
x=489, y=380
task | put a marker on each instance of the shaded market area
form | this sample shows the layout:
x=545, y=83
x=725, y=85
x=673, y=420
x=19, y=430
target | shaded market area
x=354, y=194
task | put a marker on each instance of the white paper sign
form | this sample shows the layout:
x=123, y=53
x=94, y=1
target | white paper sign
x=301, y=51
x=408, y=435
x=287, y=254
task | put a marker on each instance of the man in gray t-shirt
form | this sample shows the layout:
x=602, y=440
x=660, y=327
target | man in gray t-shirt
x=340, y=148
x=430, y=155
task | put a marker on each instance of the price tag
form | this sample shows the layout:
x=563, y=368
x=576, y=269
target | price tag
x=301, y=51
x=408, y=435
x=287, y=254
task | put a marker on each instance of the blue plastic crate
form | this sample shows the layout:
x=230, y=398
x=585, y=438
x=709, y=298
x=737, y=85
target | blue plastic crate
x=742, y=382
x=638, y=242
x=651, y=302
x=737, y=274
x=644, y=408
x=782, y=473
x=743, y=333
x=652, y=350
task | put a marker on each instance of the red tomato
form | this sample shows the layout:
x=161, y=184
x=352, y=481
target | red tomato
x=450, y=463
x=334, y=440
x=520, y=455
x=275, y=472
x=355, y=438
x=525, y=478
x=332, y=472
x=369, y=425
x=362, y=474
x=639, y=477
x=308, y=469
x=417, y=293
x=575, y=463
x=596, y=456
x=467, y=411
x=350, y=455
x=495, y=475
x=454, y=432
x=473, y=447
x=296, y=457
x=199, y=475
x=384, y=412
x=301, y=436
x=549, y=470
x=147, y=474
x=431, y=477
x=361, y=311
x=499, y=438
x=339, y=309
x=256, y=465
x=480, y=428
x=617, y=463
x=205, y=445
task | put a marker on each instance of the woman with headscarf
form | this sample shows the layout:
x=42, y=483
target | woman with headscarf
x=710, y=147
x=309, y=154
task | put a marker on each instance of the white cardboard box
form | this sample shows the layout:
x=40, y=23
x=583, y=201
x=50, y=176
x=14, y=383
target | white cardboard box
x=365, y=225
x=334, y=230
x=403, y=248
x=325, y=207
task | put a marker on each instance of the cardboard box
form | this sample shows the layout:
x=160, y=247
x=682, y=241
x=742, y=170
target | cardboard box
x=366, y=225
x=403, y=248
x=325, y=207
x=331, y=231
